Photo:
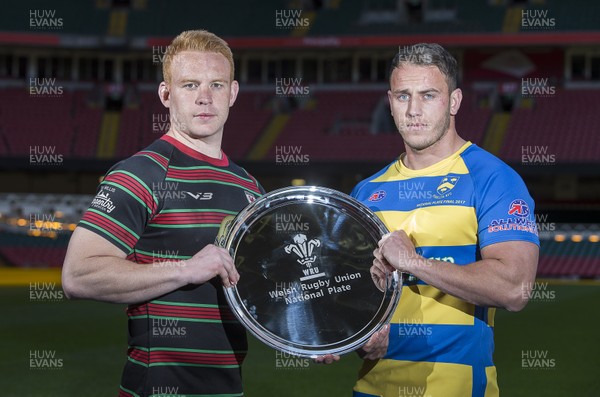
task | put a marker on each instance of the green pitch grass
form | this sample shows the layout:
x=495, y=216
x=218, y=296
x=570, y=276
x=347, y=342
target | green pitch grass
x=87, y=342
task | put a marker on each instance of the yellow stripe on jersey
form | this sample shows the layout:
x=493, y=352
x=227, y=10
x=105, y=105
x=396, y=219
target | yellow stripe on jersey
x=425, y=304
x=491, y=315
x=453, y=164
x=454, y=225
x=397, y=378
x=492, y=384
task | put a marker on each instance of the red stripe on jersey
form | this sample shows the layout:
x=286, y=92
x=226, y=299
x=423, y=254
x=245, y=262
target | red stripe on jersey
x=211, y=175
x=160, y=159
x=144, y=259
x=111, y=227
x=196, y=358
x=138, y=355
x=137, y=310
x=255, y=182
x=141, y=258
x=186, y=218
x=188, y=357
x=191, y=312
x=136, y=188
x=123, y=393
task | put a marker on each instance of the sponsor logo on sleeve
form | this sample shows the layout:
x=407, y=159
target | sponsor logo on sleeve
x=377, y=196
x=103, y=202
x=519, y=209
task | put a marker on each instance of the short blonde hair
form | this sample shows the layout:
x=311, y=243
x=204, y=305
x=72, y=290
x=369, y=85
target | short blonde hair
x=196, y=40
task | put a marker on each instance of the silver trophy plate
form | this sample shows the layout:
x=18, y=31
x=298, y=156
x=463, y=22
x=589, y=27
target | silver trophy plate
x=304, y=256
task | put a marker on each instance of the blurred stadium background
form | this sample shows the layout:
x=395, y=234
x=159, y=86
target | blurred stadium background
x=78, y=84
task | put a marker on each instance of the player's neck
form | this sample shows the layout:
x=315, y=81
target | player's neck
x=208, y=146
x=442, y=149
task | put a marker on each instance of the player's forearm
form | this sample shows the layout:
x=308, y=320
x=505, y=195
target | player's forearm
x=119, y=280
x=482, y=283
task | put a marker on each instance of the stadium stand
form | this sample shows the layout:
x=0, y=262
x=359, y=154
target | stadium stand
x=314, y=129
x=35, y=254
x=564, y=124
x=569, y=259
x=248, y=117
x=46, y=124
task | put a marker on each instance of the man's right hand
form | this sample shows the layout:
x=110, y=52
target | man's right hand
x=377, y=345
x=211, y=261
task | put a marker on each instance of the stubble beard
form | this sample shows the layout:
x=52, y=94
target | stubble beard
x=439, y=130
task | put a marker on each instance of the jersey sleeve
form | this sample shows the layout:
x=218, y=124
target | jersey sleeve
x=124, y=202
x=505, y=210
x=354, y=192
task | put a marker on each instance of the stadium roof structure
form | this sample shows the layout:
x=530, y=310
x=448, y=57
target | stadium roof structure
x=278, y=24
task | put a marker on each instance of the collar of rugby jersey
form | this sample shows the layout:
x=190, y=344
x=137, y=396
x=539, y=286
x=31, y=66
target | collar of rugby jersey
x=222, y=162
x=432, y=169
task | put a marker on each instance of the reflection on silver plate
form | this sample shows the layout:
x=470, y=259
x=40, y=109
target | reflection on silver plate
x=304, y=256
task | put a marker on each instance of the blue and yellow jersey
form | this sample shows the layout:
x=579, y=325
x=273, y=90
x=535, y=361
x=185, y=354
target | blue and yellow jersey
x=442, y=346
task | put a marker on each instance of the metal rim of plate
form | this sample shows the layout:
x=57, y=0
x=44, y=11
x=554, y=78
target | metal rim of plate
x=234, y=230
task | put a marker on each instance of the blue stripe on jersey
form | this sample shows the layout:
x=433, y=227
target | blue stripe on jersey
x=359, y=394
x=406, y=195
x=442, y=343
x=460, y=255
x=481, y=312
x=479, y=382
